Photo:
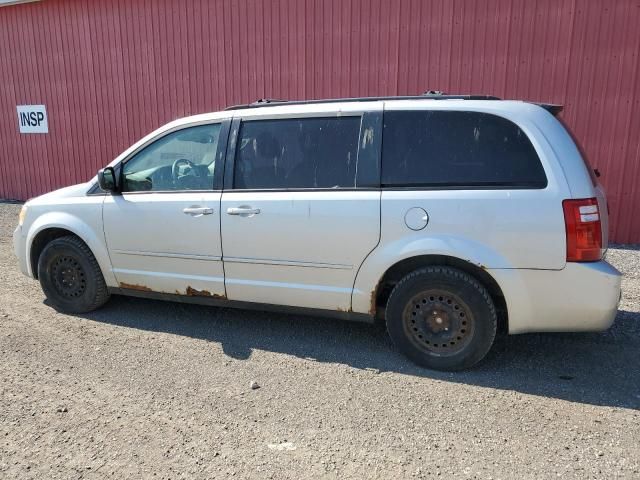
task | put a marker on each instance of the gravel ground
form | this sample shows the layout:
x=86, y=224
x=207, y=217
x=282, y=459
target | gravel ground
x=144, y=389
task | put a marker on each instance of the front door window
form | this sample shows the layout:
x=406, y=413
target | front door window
x=182, y=160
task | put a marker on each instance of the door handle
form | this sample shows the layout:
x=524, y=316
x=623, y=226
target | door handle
x=243, y=211
x=197, y=211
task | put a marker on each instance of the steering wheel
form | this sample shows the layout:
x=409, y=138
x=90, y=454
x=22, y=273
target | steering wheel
x=175, y=168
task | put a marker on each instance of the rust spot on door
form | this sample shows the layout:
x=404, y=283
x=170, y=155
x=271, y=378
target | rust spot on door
x=192, y=292
x=133, y=286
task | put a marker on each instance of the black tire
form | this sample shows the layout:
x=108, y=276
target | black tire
x=441, y=318
x=71, y=277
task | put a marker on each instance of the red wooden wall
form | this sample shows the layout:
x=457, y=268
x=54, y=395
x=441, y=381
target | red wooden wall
x=110, y=71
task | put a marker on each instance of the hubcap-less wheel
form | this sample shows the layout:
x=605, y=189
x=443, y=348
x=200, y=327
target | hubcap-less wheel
x=69, y=278
x=438, y=321
x=441, y=318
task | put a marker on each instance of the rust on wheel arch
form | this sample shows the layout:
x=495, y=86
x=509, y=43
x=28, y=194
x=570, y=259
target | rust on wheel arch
x=373, y=304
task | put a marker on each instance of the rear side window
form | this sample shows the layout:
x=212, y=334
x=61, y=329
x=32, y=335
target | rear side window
x=457, y=149
x=297, y=153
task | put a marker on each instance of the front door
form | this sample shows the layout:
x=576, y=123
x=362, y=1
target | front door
x=296, y=225
x=163, y=232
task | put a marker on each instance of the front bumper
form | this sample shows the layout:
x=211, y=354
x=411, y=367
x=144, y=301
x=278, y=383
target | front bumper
x=580, y=297
x=19, y=248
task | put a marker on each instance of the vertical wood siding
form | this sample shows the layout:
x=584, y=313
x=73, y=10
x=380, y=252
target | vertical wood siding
x=110, y=71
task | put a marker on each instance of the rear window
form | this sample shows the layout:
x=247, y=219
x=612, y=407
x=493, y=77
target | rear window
x=457, y=149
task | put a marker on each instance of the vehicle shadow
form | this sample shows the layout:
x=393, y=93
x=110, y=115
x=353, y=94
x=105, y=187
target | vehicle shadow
x=591, y=368
x=625, y=246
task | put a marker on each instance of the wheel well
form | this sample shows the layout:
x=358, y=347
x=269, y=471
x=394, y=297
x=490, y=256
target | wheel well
x=40, y=241
x=398, y=271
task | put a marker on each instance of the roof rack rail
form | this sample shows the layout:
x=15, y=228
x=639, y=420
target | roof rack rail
x=431, y=94
x=266, y=101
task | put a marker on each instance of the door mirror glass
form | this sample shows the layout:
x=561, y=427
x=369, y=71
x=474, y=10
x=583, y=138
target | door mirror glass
x=107, y=179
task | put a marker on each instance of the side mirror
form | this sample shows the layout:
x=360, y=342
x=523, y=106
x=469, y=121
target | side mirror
x=107, y=179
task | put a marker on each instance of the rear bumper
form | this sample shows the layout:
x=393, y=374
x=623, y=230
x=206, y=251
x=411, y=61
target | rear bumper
x=579, y=298
x=19, y=248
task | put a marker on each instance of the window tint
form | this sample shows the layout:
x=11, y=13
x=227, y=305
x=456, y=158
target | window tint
x=182, y=160
x=457, y=149
x=297, y=153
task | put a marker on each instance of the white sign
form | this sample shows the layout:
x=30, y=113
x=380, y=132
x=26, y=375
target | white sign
x=32, y=119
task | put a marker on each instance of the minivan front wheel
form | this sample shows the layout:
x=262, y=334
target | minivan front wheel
x=70, y=276
x=441, y=318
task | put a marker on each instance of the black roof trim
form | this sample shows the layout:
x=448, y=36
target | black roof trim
x=268, y=102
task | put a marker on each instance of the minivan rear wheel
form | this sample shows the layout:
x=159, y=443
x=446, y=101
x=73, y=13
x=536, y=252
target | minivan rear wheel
x=441, y=318
x=71, y=277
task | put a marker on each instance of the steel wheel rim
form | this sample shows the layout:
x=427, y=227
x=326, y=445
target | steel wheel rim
x=68, y=277
x=438, y=322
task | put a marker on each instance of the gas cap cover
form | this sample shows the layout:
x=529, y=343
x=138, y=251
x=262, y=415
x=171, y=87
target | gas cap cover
x=416, y=218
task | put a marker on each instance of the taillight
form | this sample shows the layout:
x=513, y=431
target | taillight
x=584, y=230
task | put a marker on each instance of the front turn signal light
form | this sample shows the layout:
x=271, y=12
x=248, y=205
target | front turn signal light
x=22, y=215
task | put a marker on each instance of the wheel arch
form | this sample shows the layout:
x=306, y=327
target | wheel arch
x=397, y=271
x=41, y=240
x=55, y=225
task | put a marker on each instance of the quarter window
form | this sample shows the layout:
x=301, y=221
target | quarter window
x=457, y=149
x=297, y=153
x=182, y=160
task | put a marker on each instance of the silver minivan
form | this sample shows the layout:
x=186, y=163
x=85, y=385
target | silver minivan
x=447, y=217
